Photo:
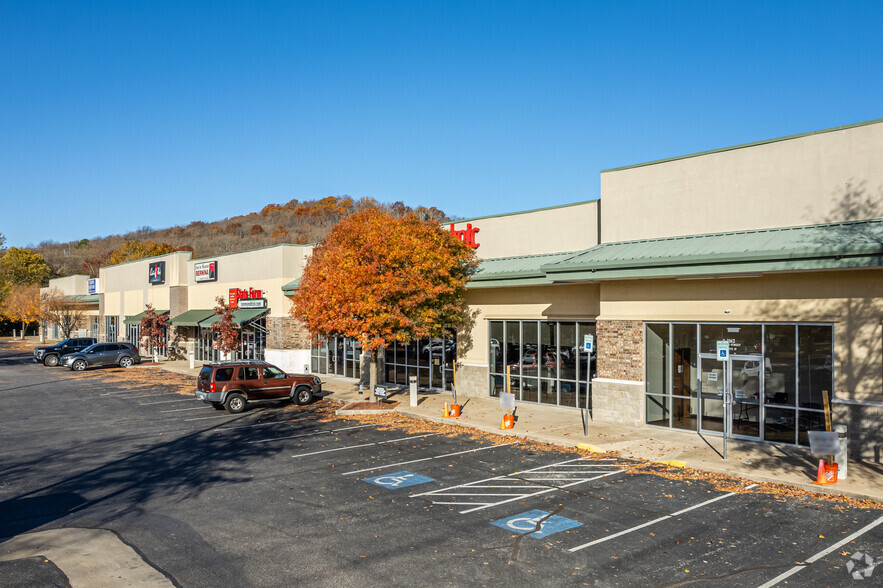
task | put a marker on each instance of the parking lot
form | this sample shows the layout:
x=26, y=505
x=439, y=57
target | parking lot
x=282, y=494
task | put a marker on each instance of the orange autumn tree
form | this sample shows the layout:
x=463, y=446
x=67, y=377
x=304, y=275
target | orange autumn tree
x=22, y=304
x=380, y=279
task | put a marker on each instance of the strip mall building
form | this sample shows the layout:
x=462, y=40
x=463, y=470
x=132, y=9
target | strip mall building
x=773, y=250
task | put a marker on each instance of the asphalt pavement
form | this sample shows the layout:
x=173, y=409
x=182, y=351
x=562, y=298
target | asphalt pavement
x=106, y=483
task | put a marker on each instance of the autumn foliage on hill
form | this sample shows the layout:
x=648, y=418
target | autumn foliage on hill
x=379, y=278
x=299, y=222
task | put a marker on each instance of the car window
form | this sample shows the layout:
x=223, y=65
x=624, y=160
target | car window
x=99, y=348
x=248, y=373
x=66, y=343
x=205, y=373
x=224, y=374
x=271, y=373
x=112, y=347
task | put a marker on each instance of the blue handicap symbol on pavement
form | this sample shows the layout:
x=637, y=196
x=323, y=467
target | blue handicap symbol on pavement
x=527, y=522
x=399, y=480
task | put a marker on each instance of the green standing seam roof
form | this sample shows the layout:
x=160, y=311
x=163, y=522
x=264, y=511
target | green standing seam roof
x=813, y=247
x=84, y=298
x=136, y=320
x=240, y=316
x=524, y=270
x=191, y=318
x=291, y=287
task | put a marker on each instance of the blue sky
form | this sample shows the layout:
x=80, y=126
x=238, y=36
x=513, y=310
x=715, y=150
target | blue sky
x=120, y=114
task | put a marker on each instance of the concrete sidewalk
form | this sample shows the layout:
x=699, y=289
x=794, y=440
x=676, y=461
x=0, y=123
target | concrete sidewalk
x=760, y=462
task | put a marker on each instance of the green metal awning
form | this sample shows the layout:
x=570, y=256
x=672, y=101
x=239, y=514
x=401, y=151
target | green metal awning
x=84, y=298
x=846, y=245
x=136, y=320
x=191, y=318
x=291, y=287
x=524, y=270
x=240, y=316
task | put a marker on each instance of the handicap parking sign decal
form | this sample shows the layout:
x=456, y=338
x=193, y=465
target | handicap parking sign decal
x=398, y=480
x=527, y=522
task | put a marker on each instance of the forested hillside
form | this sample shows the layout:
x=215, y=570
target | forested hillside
x=294, y=222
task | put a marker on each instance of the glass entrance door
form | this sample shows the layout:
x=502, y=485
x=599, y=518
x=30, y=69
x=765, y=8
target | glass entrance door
x=746, y=375
x=739, y=378
x=712, y=385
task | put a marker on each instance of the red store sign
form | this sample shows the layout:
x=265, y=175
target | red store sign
x=236, y=295
x=467, y=235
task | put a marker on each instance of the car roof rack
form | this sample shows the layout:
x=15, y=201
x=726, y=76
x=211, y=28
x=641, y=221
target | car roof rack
x=241, y=362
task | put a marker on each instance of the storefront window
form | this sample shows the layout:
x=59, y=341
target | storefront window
x=340, y=356
x=111, y=325
x=815, y=371
x=547, y=360
x=777, y=376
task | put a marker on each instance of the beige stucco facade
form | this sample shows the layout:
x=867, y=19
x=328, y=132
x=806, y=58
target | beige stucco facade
x=827, y=176
x=125, y=289
x=572, y=227
x=266, y=269
x=76, y=287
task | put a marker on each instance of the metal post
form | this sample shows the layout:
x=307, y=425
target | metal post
x=190, y=354
x=728, y=403
x=842, y=458
x=412, y=383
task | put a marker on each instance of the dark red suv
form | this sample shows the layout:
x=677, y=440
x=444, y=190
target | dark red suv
x=232, y=384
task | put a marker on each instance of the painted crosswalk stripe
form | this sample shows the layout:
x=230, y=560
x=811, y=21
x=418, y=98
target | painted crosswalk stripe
x=581, y=471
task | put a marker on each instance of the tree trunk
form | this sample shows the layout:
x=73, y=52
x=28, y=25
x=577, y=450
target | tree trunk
x=372, y=374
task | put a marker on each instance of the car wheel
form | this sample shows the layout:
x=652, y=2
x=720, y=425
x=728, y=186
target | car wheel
x=126, y=362
x=50, y=360
x=235, y=403
x=217, y=406
x=79, y=365
x=303, y=395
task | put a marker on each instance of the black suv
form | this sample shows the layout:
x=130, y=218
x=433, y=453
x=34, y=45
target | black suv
x=51, y=354
x=121, y=354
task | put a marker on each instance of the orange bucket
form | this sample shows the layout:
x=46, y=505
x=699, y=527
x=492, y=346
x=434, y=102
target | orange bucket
x=455, y=410
x=509, y=421
x=827, y=474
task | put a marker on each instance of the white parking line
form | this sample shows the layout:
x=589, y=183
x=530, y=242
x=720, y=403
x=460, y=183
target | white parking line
x=167, y=401
x=180, y=409
x=262, y=424
x=401, y=463
x=363, y=445
x=148, y=395
x=125, y=391
x=220, y=416
x=654, y=521
x=310, y=434
x=524, y=480
x=821, y=554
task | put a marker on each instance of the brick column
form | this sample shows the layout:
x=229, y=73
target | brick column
x=618, y=391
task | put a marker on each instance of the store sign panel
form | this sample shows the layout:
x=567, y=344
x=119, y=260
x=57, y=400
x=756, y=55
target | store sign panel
x=206, y=271
x=469, y=235
x=237, y=294
x=251, y=303
x=157, y=272
x=92, y=286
